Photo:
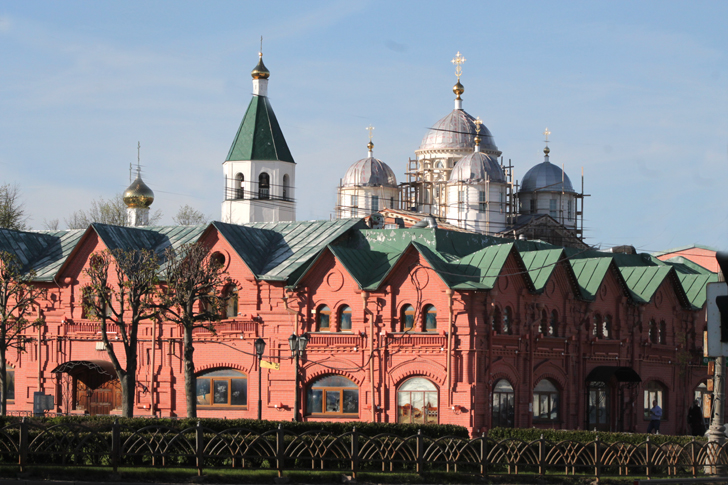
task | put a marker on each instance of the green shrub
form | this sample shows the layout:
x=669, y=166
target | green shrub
x=555, y=435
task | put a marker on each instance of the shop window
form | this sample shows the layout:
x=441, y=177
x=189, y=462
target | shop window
x=430, y=318
x=417, y=402
x=231, y=306
x=545, y=401
x=224, y=387
x=652, y=332
x=662, y=333
x=323, y=317
x=503, y=414
x=10, y=383
x=654, y=391
x=264, y=186
x=408, y=318
x=333, y=395
x=345, y=318
x=554, y=324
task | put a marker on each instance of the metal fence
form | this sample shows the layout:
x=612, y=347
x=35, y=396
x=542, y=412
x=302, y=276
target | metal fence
x=30, y=444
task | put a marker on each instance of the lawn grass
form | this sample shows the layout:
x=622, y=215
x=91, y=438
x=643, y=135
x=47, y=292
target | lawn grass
x=265, y=476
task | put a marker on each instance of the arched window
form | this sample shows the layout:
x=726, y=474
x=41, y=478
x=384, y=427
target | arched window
x=607, y=327
x=662, y=333
x=503, y=404
x=554, y=324
x=652, y=331
x=507, y=321
x=224, y=387
x=543, y=327
x=323, y=317
x=264, y=186
x=10, y=383
x=231, y=307
x=286, y=184
x=408, y=318
x=345, y=318
x=596, y=325
x=333, y=395
x=239, y=186
x=654, y=391
x=545, y=401
x=430, y=318
x=495, y=321
x=417, y=402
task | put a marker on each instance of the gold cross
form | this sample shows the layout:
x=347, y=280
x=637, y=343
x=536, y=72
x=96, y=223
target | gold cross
x=458, y=61
x=139, y=167
x=478, y=123
x=546, y=134
x=370, y=128
x=261, y=47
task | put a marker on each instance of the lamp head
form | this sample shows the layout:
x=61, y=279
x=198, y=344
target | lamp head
x=259, y=347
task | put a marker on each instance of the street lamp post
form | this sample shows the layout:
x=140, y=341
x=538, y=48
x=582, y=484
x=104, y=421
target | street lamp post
x=259, y=349
x=298, y=345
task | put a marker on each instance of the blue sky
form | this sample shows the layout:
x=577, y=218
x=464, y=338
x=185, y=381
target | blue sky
x=636, y=93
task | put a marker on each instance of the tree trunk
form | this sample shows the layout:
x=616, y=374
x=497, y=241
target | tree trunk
x=128, y=387
x=189, y=365
x=3, y=384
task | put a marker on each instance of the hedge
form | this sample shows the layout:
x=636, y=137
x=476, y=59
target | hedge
x=334, y=427
x=555, y=435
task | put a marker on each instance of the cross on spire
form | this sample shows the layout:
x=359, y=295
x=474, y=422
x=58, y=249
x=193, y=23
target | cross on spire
x=458, y=61
x=260, y=54
x=370, y=128
x=139, y=166
x=546, y=133
x=478, y=124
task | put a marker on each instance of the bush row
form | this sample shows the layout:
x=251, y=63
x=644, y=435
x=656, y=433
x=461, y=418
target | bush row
x=254, y=425
x=555, y=435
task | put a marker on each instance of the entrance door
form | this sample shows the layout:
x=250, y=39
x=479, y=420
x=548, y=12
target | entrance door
x=599, y=409
x=98, y=401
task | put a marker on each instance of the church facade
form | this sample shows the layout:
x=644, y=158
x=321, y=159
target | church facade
x=411, y=325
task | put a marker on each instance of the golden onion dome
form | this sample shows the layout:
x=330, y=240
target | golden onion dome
x=138, y=195
x=260, y=71
x=458, y=89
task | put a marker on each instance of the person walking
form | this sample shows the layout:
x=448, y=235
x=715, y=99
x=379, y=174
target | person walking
x=695, y=419
x=655, y=416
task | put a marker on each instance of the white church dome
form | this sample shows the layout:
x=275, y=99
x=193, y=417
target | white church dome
x=477, y=167
x=457, y=131
x=369, y=172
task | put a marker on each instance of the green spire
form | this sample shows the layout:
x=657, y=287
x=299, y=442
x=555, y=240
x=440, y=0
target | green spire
x=259, y=136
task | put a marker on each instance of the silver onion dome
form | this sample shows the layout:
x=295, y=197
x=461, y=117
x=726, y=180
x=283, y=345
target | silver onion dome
x=369, y=172
x=457, y=131
x=477, y=167
x=546, y=177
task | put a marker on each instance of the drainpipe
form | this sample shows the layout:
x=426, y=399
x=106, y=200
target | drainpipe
x=448, y=292
x=367, y=311
x=151, y=370
x=40, y=369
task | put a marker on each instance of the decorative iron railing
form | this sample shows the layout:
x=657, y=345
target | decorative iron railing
x=158, y=445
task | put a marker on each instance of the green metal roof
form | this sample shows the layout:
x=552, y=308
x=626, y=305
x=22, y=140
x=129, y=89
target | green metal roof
x=277, y=251
x=643, y=281
x=42, y=251
x=368, y=268
x=541, y=265
x=695, y=287
x=259, y=136
x=589, y=274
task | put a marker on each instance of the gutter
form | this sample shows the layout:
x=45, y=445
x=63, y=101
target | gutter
x=367, y=311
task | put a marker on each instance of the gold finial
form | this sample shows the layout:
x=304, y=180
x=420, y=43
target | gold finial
x=546, y=150
x=260, y=71
x=478, y=123
x=370, y=145
x=458, y=61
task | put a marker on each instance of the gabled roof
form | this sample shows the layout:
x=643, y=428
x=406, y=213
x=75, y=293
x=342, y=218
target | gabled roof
x=368, y=268
x=589, y=274
x=43, y=251
x=541, y=265
x=643, y=281
x=684, y=248
x=279, y=251
x=259, y=136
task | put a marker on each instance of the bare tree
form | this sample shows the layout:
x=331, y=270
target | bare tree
x=112, y=211
x=12, y=211
x=18, y=298
x=50, y=225
x=120, y=294
x=192, y=299
x=188, y=216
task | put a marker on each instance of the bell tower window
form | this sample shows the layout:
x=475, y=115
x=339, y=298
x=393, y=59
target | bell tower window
x=264, y=186
x=239, y=186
